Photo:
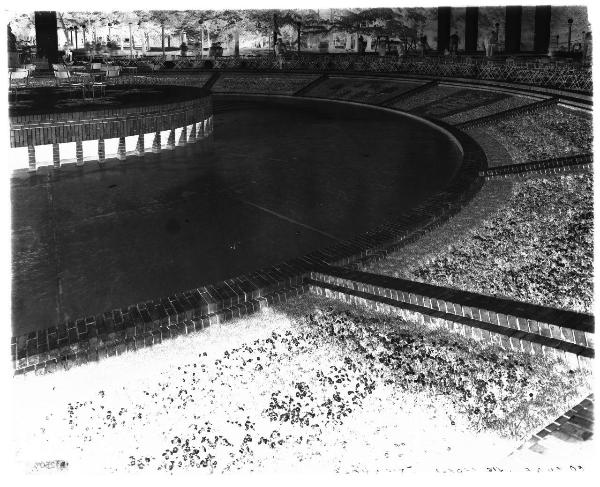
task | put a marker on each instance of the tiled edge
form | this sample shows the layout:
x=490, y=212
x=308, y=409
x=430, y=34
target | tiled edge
x=129, y=329
x=577, y=163
x=535, y=337
x=575, y=425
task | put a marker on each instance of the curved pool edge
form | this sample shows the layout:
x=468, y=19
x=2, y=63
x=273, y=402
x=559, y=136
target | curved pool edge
x=139, y=325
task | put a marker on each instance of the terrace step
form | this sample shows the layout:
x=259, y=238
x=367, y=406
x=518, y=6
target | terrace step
x=146, y=329
x=575, y=425
x=511, y=112
x=303, y=91
x=546, y=166
x=211, y=81
x=408, y=94
x=565, y=330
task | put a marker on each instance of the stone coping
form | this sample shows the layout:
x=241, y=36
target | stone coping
x=557, y=164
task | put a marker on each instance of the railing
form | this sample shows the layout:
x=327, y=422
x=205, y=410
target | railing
x=538, y=72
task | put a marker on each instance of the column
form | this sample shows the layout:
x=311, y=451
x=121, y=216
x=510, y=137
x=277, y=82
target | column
x=444, y=14
x=200, y=130
x=101, y=151
x=139, y=147
x=56, y=155
x=471, y=28
x=183, y=136
x=541, y=41
x=79, y=152
x=192, y=137
x=31, y=157
x=512, y=32
x=156, y=144
x=171, y=140
x=121, y=152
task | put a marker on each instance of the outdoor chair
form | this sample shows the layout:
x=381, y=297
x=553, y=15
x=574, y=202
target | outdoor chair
x=64, y=78
x=19, y=78
x=95, y=66
x=112, y=72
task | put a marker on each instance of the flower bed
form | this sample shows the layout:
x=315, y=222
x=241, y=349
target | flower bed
x=538, y=248
x=489, y=109
x=546, y=134
x=299, y=388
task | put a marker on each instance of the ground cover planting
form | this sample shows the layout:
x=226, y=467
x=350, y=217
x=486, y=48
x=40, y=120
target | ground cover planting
x=544, y=134
x=314, y=385
x=538, y=248
x=425, y=97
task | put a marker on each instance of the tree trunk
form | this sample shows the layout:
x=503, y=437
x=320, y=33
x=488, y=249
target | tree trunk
x=299, y=32
x=162, y=29
x=236, y=40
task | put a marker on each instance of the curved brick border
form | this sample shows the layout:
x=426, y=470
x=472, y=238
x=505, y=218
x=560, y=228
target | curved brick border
x=144, y=324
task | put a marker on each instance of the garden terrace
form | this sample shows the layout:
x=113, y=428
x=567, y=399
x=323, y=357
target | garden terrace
x=557, y=132
x=540, y=244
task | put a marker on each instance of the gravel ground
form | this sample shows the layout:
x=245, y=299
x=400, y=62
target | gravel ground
x=303, y=388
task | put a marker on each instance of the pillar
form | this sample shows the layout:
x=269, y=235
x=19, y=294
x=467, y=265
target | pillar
x=156, y=144
x=200, y=130
x=46, y=36
x=541, y=40
x=443, y=41
x=139, y=147
x=31, y=157
x=101, y=151
x=121, y=152
x=512, y=30
x=171, y=140
x=183, y=136
x=56, y=155
x=471, y=28
x=79, y=152
x=192, y=137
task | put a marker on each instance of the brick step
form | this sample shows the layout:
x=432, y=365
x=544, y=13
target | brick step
x=511, y=112
x=556, y=165
x=120, y=339
x=507, y=338
x=306, y=89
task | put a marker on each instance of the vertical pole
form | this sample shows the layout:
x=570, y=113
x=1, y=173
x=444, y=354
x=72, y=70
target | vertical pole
x=570, y=21
x=130, y=42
